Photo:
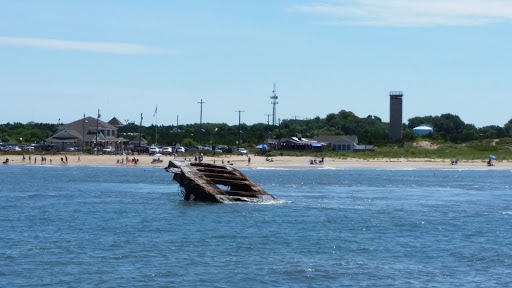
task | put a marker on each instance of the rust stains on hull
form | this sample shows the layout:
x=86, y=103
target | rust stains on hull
x=201, y=182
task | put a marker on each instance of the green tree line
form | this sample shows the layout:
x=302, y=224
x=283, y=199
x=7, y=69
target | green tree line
x=369, y=130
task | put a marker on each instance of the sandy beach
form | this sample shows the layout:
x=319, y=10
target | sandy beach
x=257, y=162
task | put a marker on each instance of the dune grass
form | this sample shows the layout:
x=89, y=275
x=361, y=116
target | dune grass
x=480, y=150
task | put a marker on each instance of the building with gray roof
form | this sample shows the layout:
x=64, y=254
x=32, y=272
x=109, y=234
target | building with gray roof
x=82, y=133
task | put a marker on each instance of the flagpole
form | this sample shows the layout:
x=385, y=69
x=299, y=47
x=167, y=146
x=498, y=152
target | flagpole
x=156, y=128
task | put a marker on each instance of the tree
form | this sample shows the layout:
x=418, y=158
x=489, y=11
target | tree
x=188, y=142
x=492, y=132
x=508, y=128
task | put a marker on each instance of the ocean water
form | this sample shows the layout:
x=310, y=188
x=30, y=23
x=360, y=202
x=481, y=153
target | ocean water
x=129, y=227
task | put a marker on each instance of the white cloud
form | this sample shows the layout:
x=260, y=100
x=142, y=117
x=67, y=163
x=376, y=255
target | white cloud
x=412, y=12
x=98, y=47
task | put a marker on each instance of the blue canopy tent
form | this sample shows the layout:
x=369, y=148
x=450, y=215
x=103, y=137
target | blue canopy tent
x=316, y=144
x=261, y=146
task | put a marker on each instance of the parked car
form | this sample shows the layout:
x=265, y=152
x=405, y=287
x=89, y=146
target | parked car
x=142, y=149
x=180, y=149
x=205, y=147
x=154, y=150
x=167, y=150
x=242, y=150
x=226, y=149
x=15, y=148
x=51, y=147
x=188, y=148
x=109, y=149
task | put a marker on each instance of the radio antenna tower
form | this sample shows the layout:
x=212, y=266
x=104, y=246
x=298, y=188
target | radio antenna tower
x=274, y=103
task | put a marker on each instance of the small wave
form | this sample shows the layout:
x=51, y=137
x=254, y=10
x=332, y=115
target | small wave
x=394, y=169
x=291, y=168
x=36, y=195
x=270, y=168
x=330, y=168
x=274, y=202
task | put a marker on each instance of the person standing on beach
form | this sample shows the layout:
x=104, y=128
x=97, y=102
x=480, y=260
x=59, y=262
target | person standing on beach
x=249, y=160
x=78, y=158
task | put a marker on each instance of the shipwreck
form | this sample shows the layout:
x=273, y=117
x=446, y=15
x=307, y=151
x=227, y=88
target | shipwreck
x=215, y=183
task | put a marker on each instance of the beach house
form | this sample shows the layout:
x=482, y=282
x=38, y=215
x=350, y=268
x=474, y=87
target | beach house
x=87, y=131
x=338, y=143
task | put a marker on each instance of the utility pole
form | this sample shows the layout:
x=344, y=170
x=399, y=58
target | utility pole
x=83, y=134
x=140, y=131
x=97, y=128
x=156, y=126
x=268, y=119
x=279, y=132
x=295, y=124
x=201, y=123
x=239, y=127
x=268, y=125
x=274, y=103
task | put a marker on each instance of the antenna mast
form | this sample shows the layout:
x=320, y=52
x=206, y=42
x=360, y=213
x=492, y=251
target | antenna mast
x=274, y=103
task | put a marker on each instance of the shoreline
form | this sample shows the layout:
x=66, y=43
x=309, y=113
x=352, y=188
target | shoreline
x=239, y=161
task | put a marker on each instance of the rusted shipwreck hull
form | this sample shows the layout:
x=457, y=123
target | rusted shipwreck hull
x=201, y=181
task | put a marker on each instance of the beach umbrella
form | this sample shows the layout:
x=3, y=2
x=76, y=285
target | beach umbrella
x=493, y=157
x=261, y=146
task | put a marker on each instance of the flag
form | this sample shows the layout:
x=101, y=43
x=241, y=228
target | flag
x=156, y=110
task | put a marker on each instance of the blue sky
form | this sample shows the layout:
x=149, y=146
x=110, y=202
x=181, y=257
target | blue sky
x=60, y=59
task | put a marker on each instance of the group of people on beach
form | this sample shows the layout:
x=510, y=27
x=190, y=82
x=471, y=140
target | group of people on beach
x=43, y=161
x=313, y=161
x=133, y=161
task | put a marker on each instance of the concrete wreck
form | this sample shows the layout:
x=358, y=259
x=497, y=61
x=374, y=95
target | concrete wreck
x=216, y=183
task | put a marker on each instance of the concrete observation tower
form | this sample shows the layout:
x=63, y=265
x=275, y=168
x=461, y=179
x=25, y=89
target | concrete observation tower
x=395, y=115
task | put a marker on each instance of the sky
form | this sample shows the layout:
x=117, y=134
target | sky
x=62, y=59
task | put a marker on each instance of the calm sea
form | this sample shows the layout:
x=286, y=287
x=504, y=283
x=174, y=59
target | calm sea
x=129, y=227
